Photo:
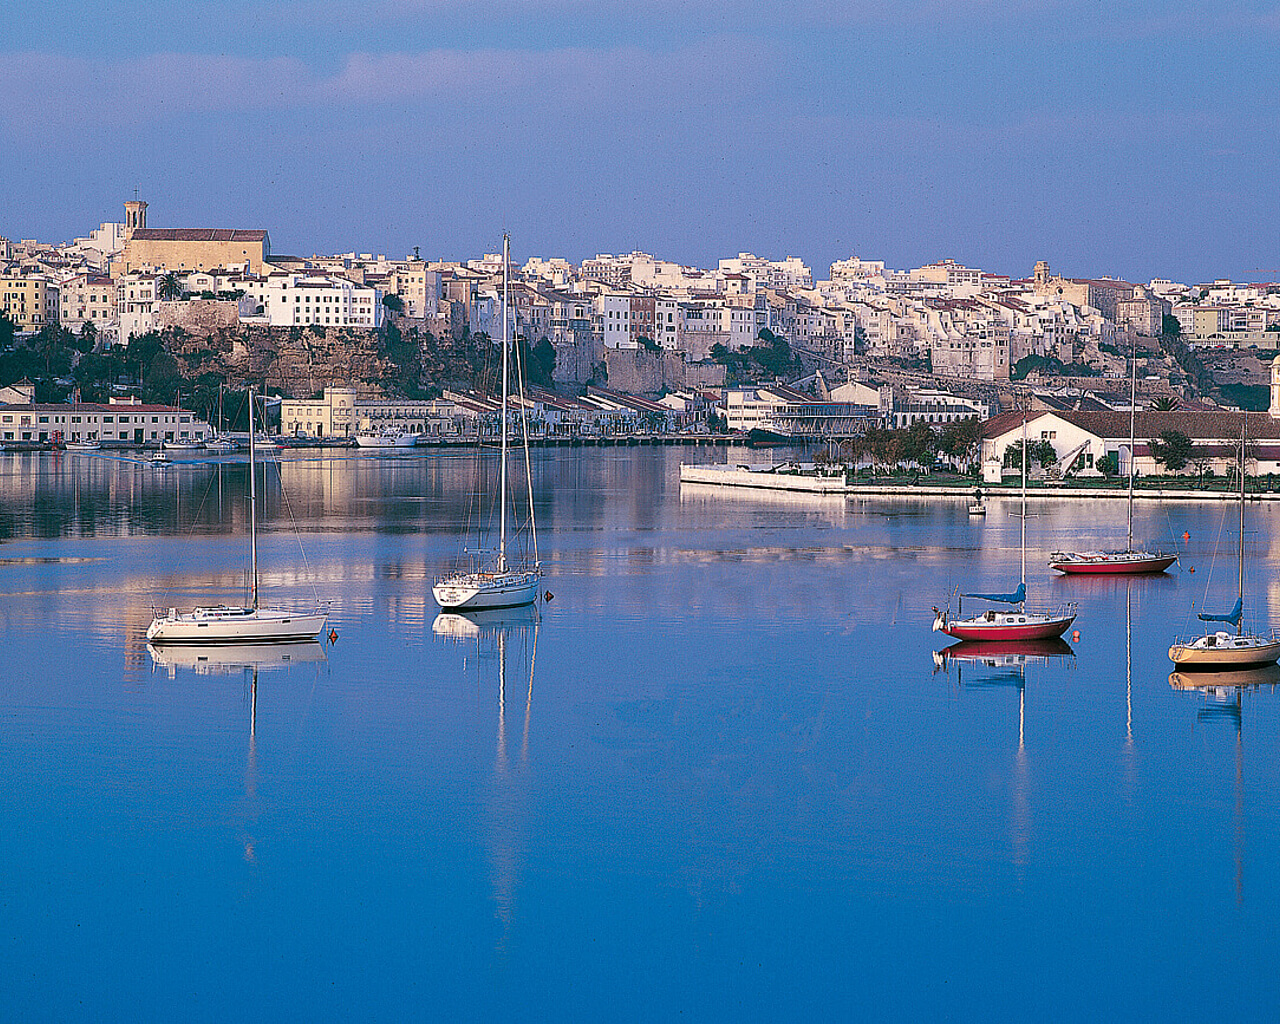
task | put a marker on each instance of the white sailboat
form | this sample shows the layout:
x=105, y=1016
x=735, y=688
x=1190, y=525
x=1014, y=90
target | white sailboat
x=498, y=583
x=223, y=624
x=1220, y=649
x=1117, y=563
x=219, y=443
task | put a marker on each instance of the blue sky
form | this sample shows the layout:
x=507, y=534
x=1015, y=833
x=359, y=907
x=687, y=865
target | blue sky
x=1137, y=139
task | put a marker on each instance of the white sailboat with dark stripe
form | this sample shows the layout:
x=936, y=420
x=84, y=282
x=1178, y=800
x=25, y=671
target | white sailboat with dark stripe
x=498, y=583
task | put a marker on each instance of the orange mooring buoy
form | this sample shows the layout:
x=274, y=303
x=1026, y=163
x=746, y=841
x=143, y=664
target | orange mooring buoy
x=1191, y=568
x=1186, y=536
x=1075, y=635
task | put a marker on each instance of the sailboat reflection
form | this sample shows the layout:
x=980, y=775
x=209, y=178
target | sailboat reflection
x=1223, y=694
x=498, y=632
x=996, y=663
x=1001, y=653
x=232, y=659
x=228, y=659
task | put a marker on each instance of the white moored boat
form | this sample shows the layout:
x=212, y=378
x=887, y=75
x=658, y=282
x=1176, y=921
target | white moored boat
x=389, y=437
x=498, y=584
x=1222, y=649
x=223, y=624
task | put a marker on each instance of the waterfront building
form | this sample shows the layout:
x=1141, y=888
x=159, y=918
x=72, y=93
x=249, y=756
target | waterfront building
x=782, y=410
x=1214, y=436
x=121, y=421
x=344, y=412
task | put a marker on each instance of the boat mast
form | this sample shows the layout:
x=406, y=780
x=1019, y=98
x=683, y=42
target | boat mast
x=502, y=490
x=253, y=507
x=1133, y=414
x=1023, y=517
x=1240, y=623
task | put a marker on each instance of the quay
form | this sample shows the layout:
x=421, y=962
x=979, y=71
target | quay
x=788, y=477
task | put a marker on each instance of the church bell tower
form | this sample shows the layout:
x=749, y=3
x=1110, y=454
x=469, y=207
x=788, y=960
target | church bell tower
x=135, y=216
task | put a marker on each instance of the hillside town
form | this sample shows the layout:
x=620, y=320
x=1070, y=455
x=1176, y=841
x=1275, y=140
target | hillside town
x=619, y=344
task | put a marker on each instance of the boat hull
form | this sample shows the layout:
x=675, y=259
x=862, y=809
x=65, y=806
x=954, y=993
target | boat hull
x=386, y=440
x=475, y=591
x=235, y=626
x=1225, y=652
x=1005, y=627
x=1124, y=564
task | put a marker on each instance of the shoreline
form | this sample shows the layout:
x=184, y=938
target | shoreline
x=740, y=478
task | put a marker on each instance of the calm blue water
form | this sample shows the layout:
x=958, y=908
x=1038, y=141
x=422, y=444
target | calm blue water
x=719, y=777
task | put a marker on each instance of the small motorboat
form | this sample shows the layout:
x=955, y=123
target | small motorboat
x=976, y=507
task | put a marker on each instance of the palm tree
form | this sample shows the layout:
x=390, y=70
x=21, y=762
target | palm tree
x=169, y=287
x=1165, y=403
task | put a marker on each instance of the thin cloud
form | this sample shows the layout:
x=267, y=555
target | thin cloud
x=72, y=92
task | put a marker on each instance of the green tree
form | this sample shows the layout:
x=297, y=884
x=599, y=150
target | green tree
x=1170, y=326
x=393, y=303
x=544, y=355
x=1165, y=403
x=1041, y=451
x=88, y=337
x=1172, y=448
x=169, y=287
x=141, y=350
x=960, y=439
x=1108, y=465
x=919, y=443
x=7, y=330
x=163, y=380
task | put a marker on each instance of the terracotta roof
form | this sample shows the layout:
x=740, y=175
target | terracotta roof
x=1197, y=425
x=94, y=407
x=199, y=235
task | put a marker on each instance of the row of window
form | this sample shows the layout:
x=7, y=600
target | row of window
x=8, y=418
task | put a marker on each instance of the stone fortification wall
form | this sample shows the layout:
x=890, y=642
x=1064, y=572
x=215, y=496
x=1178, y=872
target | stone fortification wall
x=642, y=372
x=201, y=317
x=577, y=360
x=704, y=375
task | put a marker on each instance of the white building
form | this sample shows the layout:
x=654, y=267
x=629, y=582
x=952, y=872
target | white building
x=790, y=274
x=325, y=300
x=120, y=422
x=136, y=303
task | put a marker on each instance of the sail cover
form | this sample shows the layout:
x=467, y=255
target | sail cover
x=1233, y=618
x=1017, y=597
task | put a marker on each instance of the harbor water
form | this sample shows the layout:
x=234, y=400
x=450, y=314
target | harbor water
x=724, y=773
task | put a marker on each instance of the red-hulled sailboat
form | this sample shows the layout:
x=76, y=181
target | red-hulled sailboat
x=1117, y=563
x=1016, y=623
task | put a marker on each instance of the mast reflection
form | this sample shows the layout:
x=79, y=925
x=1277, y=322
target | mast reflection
x=1222, y=694
x=1004, y=664
x=496, y=634
x=230, y=660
